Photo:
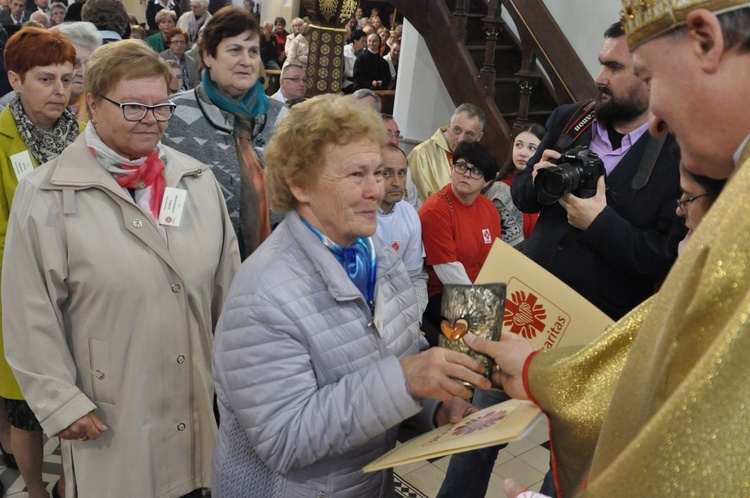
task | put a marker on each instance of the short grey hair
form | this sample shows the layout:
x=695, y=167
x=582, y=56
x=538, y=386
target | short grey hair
x=204, y=3
x=41, y=18
x=363, y=93
x=473, y=111
x=284, y=70
x=58, y=5
x=81, y=33
x=163, y=13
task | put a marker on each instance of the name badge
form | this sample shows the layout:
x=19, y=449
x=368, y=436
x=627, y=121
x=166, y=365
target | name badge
x=172, y=206
x=22, y=164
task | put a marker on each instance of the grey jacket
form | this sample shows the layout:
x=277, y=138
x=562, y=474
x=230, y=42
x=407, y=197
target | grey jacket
x=193, y=68
x=309, y=390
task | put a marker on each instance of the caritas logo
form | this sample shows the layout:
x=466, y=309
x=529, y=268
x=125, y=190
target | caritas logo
x=524, y=314
x=532, y=316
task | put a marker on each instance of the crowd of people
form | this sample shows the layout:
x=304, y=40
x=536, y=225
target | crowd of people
x=371, y=54
x=206, y=287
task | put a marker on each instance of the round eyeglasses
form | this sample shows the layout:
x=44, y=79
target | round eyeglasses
x=133, y=111
x=462, y=167
x=682, y=202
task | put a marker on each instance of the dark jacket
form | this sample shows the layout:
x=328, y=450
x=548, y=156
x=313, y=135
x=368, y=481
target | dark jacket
x=269, y=50
x=6, y=19
x=371, y=67
x=193, y=68
x=623, y=256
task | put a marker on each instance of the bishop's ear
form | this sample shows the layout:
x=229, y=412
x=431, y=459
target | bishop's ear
x=705, y=34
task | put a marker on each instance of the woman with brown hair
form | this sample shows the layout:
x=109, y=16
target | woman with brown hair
x=178, y=40
x=227, y=121
x=517, y=226
x=35, y=127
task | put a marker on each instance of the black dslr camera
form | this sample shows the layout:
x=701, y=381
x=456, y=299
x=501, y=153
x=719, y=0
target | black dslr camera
x=577, y=171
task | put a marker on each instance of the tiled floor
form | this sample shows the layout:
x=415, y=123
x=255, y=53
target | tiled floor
x=14, y=485
x=526, y=461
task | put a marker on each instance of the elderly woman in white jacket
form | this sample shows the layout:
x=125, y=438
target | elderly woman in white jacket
x=317, y=354
x=119, y=254
x=298, y=49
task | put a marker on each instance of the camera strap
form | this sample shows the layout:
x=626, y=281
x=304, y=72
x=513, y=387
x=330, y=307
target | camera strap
x=648, y=161
x=577, y=125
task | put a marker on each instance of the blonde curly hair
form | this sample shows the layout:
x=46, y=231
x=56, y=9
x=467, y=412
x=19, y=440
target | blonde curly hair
x=296, y=152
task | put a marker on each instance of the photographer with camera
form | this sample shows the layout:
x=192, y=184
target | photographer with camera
x=603, y=234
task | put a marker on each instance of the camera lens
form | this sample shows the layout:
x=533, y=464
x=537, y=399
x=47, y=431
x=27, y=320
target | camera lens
x=553, y=183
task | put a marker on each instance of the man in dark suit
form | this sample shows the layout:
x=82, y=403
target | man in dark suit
x=371, y=70
x=611, y=248
x=38, y=5
x=16, y=15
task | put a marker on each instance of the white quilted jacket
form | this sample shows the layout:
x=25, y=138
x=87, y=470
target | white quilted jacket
x=309, y=391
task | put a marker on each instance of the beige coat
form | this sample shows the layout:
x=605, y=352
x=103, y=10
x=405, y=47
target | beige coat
x=101, y=314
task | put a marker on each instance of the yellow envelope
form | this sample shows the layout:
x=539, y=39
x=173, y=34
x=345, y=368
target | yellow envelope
x=501, y=423
x=538, y=305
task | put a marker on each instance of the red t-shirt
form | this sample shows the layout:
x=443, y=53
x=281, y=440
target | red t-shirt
x=455, y=232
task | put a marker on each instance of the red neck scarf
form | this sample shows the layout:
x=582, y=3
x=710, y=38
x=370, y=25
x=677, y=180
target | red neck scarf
x=149, y=174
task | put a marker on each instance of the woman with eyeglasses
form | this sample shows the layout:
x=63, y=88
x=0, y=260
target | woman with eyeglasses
x=176, y=52
x=459, y=226
x=35, y=127
x=698, y=195
x=119, y=255
x=227, y=120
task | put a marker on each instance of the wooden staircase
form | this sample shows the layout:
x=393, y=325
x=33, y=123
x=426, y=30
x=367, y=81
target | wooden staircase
x=500, y=69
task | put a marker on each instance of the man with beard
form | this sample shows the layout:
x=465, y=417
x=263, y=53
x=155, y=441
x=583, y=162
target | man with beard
x=609, y=245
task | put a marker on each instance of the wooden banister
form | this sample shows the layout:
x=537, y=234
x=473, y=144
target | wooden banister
x=434, y=21
x=540, y=41
x=542, y=37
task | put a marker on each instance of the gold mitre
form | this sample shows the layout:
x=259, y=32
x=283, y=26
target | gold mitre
x=648, y=19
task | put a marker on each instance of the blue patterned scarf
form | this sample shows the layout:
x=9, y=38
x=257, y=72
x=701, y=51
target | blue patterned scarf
x=359, y=261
